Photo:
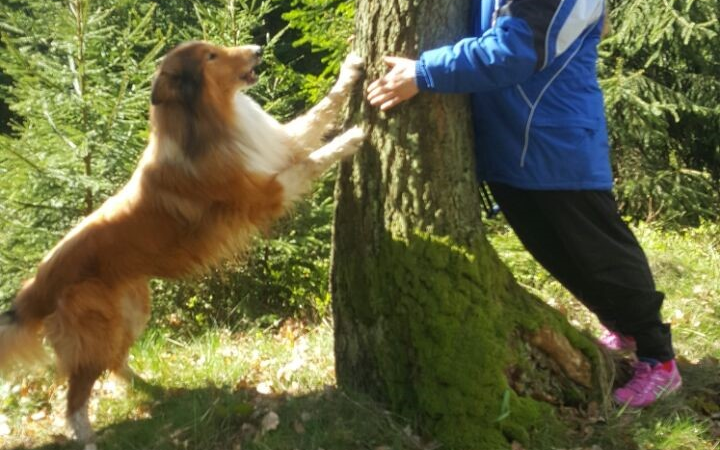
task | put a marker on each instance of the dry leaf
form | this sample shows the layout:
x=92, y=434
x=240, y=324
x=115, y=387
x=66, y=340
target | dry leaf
x=60, y=439
x=516, y=446
x=298, y=427
x=248, y=430
x=270, y=422
x=40, y=415
x=264, y=388
x=286, y=372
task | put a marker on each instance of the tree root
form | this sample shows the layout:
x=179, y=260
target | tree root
x=572, y=362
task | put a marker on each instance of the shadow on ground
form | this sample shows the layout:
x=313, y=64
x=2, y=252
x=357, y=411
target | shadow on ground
x=229, y=418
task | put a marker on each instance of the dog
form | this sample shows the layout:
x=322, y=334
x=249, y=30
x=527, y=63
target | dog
x=217, y=168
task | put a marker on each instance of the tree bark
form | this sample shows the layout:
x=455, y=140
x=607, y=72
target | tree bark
x=427, y=318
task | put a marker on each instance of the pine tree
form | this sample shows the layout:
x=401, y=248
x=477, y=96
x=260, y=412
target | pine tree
x=80, y=73
x=660, y=69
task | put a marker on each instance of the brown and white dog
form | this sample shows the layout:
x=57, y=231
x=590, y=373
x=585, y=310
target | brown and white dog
x=216, y=169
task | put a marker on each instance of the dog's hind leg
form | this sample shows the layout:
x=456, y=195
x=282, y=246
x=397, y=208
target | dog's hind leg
x=80, y=387
x=309, y=129
x=86, y=332
x=126, y=373
x=135, y=311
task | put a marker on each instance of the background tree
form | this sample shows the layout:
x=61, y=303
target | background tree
x=427, y=318
x=659, y=69
x=80, y=81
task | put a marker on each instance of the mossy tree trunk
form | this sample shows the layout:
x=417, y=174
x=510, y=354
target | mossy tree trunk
x=428, y=320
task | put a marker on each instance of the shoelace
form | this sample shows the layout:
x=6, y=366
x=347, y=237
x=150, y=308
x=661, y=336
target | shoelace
x=646, y=379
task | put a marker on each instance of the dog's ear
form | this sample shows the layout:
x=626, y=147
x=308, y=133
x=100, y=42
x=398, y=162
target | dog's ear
x=183, y=87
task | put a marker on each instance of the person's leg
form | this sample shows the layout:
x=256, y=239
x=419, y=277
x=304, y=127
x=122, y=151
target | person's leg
x=536, y=229
x=621, y=282
x=618, y=281
x=581, y=239
x=537, y=235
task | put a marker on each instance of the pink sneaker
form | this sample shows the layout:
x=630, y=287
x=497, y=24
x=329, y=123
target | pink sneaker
x=613, y=340
x=649, y=384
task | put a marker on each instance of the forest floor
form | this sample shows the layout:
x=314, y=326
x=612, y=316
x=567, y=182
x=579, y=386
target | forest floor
x=274, y=388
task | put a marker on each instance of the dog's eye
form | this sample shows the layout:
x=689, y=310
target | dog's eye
x=211, y=56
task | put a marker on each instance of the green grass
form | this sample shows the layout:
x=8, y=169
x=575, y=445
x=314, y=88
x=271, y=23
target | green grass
x=687, y=268
x=213, y=391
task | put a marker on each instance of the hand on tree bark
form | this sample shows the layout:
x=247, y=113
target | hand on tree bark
x=394, y=87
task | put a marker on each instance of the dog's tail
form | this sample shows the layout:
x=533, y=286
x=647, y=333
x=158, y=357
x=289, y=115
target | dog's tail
x=20, y=339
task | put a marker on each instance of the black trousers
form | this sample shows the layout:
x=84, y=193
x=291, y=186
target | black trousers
x=580, y=238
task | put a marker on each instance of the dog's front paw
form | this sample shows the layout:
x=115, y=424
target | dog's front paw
x=353, y=64
x=341, y=147
x=350, y=71
x=352, y=140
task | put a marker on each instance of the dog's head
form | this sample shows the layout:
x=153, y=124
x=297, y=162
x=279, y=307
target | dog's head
x=194, y=69
x=193, y=92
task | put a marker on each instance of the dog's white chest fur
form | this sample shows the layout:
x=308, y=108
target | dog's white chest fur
x=261, y=139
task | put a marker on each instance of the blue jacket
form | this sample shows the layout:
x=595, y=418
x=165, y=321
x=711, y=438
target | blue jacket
x=537, y=106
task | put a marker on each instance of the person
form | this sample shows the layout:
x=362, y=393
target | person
x=541, y=145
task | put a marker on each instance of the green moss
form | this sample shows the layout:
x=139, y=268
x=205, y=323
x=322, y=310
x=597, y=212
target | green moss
x=446, y=315
x=530, y=419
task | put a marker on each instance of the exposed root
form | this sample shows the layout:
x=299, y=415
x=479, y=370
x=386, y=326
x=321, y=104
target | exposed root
x=572, y=362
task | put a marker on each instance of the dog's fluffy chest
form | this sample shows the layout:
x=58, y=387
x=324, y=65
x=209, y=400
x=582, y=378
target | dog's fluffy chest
x=261, y=139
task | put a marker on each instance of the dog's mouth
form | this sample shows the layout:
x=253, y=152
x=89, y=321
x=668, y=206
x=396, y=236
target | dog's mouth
x=251, y=77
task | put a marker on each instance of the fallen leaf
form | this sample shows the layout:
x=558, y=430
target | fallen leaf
x=298, y=427
x=516, y=446
x=270, y=422
x=264, y=388
x=40, y=415
x=60, y=439
x=248, y=431
x=286, y=372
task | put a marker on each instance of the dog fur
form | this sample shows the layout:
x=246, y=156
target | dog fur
x=217, y=169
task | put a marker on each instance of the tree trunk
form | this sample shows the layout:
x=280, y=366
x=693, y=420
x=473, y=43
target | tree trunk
x=427, y=318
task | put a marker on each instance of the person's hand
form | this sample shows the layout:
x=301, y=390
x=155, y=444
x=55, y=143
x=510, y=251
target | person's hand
x=394, y=87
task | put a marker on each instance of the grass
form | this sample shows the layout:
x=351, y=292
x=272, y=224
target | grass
x=216, y=391
x=686, y=266
x=224, y=390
